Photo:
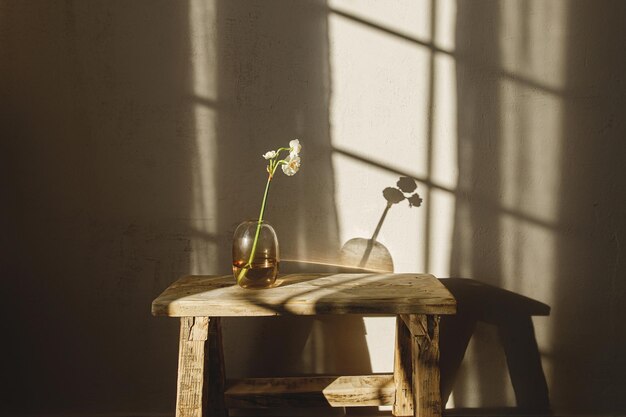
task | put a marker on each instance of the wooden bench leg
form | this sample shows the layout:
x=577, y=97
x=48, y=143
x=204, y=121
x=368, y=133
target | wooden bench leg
x=402, y=371
x=424, y=331
x=425, y=347
x=193, y=334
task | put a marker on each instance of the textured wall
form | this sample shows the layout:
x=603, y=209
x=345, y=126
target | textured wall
x=131, y=141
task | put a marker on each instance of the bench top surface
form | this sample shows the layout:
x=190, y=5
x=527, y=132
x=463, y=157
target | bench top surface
x=306, y=294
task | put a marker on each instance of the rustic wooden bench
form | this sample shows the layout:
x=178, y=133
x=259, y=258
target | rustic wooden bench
x=416, y=300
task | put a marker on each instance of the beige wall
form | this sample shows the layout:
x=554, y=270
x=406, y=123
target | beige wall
x=131, y=135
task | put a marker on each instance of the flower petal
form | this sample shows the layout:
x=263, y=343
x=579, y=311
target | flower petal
x=295, y=147
x=292, y=165
x=269, y=154
x=415, y=200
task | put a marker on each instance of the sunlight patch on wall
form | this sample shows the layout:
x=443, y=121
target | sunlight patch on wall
x=531, y=145
x=384, y=362
x=379, y=334
x=203, y=99
x=390, y=116
x=441, y=225
x=360, y=205
x=528, y=263
x=445, y=170
x=410, y=18
x=532, y=41
x=445, y=25
x=444, y=164
x=530, y=160
x=476, y=389
x=379, y=85
x=533, y=53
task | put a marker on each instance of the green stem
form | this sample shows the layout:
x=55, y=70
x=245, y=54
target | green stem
x=244, y=270
x=258, y=226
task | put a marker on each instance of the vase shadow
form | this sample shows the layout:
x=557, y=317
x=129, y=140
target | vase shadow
x=370, y=254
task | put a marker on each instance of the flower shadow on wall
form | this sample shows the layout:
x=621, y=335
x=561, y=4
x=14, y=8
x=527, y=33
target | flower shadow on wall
x=369, y=253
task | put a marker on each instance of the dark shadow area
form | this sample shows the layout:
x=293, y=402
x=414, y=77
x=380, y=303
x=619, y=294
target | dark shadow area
x=590, y=280
x=512, y=315
x=582, y=342
x=97, y=135
x=477, y=236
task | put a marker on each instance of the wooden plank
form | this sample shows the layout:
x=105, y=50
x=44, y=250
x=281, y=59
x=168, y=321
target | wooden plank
x=307, y=294
x=316, y=391
x=402, y=368
x=193, y=334
x=426, y=383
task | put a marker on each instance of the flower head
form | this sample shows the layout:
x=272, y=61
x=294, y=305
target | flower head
x=407, y=184
x=295, y=147
x=292, y=164
x=393, y=195
x=415, y=200
x=269, y=154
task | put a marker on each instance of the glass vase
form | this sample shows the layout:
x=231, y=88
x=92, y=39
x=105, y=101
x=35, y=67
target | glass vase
x=261, y=270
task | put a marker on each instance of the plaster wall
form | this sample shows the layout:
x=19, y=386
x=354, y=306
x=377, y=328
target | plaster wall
x=131, y=142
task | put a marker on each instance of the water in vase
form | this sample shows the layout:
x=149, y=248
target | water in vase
x=262, y=273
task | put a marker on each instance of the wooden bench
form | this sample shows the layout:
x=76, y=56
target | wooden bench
x=416, y=300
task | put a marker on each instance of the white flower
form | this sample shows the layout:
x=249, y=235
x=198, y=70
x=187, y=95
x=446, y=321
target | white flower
x=270, y=155
x=292, y=165
x=295, y=147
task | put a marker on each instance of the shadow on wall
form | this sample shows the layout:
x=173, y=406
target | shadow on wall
x=103, y=119
x=97, y=135
x=542, y=186
x=369, y=253
x=512, y=315
x=590, y=280
x=477, y=235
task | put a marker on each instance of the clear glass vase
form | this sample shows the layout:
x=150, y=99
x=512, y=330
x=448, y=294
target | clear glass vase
x=262, y=270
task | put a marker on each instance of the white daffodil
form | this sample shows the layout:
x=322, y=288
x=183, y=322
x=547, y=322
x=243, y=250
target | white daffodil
x=270, y=155
x=295, y=147
x=292, y=165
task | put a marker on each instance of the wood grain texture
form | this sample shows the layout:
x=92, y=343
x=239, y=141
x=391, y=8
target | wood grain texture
x=426, y=383
x=307, y=294
x=193, y=334
x=414, y=324
x=316, y=391
x=402, y=368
